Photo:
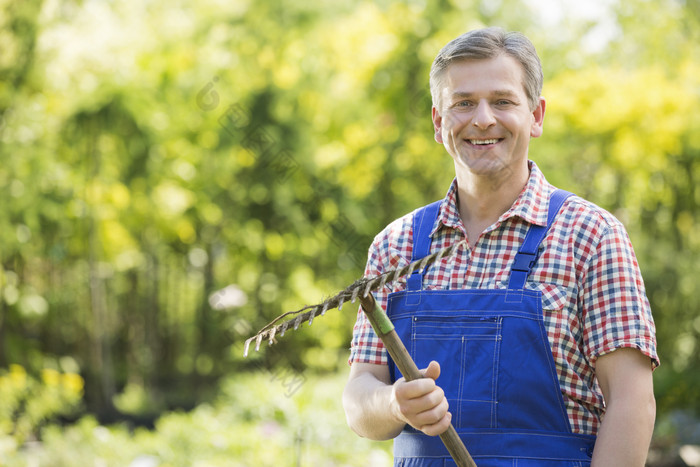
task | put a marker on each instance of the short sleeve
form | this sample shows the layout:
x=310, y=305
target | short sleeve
x=366, y=346
x=390, y=249
x=615, y=309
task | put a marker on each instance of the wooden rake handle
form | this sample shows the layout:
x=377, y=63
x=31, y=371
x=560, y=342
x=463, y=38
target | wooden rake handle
x=384, y=328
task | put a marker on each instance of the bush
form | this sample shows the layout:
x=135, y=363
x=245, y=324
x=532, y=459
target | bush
x=255, y=420
x=27, y=403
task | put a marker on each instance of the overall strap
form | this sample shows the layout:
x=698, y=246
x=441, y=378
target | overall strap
x=527, y=255
x=423, y=223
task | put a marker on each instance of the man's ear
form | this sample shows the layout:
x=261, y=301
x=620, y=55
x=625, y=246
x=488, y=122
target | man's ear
x=437, y=125
x=538, y=119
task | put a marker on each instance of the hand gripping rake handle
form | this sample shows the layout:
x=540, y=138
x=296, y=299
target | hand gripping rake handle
x=384, y=328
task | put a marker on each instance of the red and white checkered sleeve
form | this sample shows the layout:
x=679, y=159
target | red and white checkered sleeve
x=366, y=347
x=390, y=249
x=616, y=311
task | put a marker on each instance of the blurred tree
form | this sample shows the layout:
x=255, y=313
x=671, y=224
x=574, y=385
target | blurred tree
x=156, y=153
x=18, y=34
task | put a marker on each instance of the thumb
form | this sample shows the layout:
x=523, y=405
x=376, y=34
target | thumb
x=433, y=370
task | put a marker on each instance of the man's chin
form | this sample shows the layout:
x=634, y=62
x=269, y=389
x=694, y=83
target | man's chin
x=483, y=164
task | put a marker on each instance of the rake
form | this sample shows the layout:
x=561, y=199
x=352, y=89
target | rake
x=382, y=326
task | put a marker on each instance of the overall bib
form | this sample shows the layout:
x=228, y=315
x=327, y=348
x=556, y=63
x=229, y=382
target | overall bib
x=497, y=368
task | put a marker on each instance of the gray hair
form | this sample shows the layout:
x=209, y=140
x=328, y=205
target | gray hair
x=490, y=43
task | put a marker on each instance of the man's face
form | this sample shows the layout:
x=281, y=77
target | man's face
x=485, y=122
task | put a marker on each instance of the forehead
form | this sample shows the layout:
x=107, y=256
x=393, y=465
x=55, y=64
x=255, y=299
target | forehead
x=484, y=76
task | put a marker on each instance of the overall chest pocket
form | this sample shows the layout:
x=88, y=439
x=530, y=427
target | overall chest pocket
x=468, y=350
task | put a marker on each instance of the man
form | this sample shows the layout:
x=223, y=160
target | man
x=537, y=339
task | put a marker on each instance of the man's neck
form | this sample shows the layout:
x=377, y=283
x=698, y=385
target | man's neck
x=481, y=201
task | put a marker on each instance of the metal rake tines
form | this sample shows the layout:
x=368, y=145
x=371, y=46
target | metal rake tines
x=308, y=313
x=362, y=286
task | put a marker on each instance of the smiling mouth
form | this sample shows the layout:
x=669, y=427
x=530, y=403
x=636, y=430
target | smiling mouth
x=484, y=142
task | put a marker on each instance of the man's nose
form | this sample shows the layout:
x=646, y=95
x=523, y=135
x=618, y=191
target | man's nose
x=483, y=117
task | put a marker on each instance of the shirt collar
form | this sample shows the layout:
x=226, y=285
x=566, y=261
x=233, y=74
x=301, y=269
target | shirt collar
x=531, y=205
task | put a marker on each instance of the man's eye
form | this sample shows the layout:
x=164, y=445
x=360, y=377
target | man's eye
x=503, y=102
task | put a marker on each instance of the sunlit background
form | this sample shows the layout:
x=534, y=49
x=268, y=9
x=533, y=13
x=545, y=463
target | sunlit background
x=175, y=174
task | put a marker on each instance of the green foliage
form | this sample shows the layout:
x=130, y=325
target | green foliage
x=28, y=403
x=252, y=422
x=154, y=153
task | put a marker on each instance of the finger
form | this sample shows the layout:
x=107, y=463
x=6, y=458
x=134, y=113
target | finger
x=425, y=410
x=438, y=428
x=414, y=389
x=433, y=370
x=430, y=400
x=431, y=414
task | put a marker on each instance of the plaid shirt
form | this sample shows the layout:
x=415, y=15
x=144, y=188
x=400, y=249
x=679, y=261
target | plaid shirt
x=592, y=291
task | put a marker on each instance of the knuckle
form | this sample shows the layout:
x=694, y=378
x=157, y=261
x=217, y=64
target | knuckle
x=434, y=415
x=438, y=399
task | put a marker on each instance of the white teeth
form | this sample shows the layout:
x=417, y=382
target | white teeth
x=483, y=141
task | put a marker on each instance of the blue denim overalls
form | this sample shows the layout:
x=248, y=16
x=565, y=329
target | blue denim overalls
x=497, y=368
